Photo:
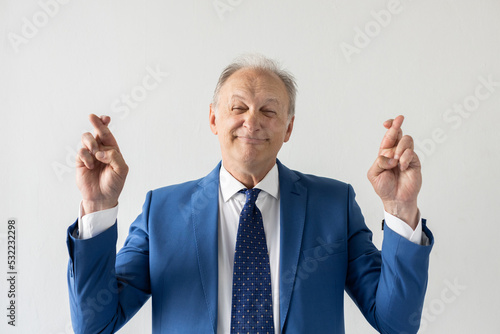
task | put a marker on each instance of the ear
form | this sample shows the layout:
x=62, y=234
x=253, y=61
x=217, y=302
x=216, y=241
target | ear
x=212, y=120
x=289, y=130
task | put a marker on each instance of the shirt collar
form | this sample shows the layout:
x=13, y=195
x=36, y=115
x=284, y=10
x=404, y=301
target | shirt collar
x=230, y=186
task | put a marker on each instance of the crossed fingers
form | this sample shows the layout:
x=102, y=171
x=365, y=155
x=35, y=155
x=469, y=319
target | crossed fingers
x=396, y=146
x=96, y=145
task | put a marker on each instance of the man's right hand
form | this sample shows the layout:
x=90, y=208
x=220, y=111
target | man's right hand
x=100, y=168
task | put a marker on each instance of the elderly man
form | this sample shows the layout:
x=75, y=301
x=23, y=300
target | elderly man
x=253, y=247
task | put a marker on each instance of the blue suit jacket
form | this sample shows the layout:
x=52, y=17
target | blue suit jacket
x=171, y=255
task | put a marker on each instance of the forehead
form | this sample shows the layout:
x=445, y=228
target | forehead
x=255, y=83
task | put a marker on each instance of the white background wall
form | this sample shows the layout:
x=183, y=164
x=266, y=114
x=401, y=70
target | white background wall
x=425, y=61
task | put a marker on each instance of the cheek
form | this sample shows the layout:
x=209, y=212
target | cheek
x=280, y=130
x=232, y=125
x=226, y=132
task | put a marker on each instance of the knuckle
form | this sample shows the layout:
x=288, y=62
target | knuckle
x=86, y=136
x=82, y=152
x=407, y=156
x=113, y=153
x=88, y=140
x=408, y=139
x=409, y=152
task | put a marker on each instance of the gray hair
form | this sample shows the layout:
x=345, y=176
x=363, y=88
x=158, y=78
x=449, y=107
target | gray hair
x=259, y=62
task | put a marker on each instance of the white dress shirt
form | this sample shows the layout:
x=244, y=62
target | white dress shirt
x=230, y=205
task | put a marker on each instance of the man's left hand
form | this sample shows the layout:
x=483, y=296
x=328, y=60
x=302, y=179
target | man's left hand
x=395, y=175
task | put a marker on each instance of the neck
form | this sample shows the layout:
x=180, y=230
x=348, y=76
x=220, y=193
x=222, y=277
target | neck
x=249, y=177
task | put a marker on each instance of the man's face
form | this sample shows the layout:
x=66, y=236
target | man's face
x=252, y=120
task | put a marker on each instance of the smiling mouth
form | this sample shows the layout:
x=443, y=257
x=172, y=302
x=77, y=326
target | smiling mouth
x=250, y=140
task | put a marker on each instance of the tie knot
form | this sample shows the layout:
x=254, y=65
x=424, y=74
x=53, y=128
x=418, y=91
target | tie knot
x=251, y=194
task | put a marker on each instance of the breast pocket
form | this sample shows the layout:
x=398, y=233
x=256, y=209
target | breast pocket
x=324, y=251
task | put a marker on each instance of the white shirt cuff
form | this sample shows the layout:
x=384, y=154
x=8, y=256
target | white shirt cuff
x=403, y=229
x=94, y=223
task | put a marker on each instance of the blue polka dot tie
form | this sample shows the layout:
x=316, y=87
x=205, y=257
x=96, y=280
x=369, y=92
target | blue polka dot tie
x=252, y=309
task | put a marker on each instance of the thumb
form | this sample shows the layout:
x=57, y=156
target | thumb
x=113, y=158
x=380, y=165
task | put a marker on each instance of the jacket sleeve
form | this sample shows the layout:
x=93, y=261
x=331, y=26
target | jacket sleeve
x=389, y=286
x=106, y=289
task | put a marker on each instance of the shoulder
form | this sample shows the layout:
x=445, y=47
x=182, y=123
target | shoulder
x=321, y=182
x=184, y=191
x=313, y=183
x=179, y=190
x=324, y=187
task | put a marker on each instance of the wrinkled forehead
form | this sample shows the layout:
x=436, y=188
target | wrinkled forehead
x=255, y=84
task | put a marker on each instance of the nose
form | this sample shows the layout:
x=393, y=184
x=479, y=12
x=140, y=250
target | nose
x=252, y=121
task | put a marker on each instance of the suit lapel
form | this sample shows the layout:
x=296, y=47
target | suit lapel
x=293, y=199
x=204, y=204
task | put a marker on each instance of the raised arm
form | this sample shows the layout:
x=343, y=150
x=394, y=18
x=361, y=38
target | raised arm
x=105, y=290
